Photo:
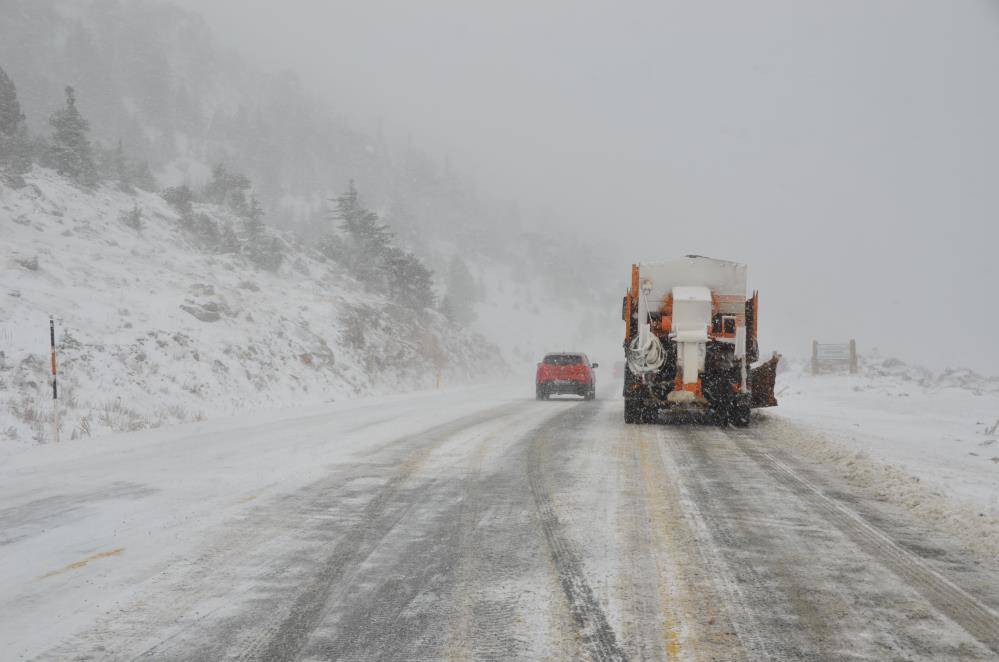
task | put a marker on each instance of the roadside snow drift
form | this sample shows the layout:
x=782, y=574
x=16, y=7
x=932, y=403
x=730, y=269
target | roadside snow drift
x=927, y=441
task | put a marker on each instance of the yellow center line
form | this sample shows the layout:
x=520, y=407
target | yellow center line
x=663, y=520
x=82, y=562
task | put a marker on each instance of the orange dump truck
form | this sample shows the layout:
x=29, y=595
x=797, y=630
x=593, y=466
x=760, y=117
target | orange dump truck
x=690, y=340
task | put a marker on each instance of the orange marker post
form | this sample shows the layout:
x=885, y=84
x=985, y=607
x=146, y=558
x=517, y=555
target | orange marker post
x=55, y=388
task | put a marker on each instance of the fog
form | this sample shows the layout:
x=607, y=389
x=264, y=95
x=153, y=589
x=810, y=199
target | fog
x=846, y=151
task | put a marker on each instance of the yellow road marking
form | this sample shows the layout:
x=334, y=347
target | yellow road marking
x=79, y=564
x=664, y=521
x=695, y=623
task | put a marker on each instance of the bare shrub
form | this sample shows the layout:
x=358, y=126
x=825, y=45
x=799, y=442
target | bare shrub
x=120, y=418
x=25, y=410
x=83, y=427
x=29, y=263
x=68, y=399
x=357, y=322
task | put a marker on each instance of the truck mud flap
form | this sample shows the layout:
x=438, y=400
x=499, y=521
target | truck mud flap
x=761, y=382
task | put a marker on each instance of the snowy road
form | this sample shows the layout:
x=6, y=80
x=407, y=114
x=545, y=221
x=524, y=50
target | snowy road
x=470, y=525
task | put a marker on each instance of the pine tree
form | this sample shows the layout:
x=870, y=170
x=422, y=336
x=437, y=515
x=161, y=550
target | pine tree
x=15, y=142
x=11, y=116
x=113, y=166
x=71, y=149
x=207, y=232
x=142, y=177
x=461, y=292
x=410, y=282
x=254, y=217
x=181, y=198
x=228, y=188
x=228, y=241
x=367, y=239
x=264, y=250
x=20, y=152
x=122, y=169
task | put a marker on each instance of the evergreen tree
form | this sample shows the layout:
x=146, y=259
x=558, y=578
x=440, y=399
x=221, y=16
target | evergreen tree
x=71, y=151
x=11, y=116
x=254, y=217
x=264, y=250
x=206, y=231
x=228, y=241
x=141, y=176
x=181, y=198
x=227, y=188
x=215, y=189
x=367, y=239
x=113, y=166
x=410, y=282
x=20, y=151
x=333, y=248
x=15, y=143
x=461, y=293
x=122, y=170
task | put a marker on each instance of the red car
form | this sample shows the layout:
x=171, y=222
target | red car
x=566, y=372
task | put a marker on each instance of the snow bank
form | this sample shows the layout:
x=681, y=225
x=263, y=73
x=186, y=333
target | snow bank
x=154, y=330
x=929, y=442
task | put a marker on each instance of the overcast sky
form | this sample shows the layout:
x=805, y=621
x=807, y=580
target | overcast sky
x=847, y=151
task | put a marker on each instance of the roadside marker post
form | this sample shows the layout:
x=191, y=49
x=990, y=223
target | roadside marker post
x=55, y=388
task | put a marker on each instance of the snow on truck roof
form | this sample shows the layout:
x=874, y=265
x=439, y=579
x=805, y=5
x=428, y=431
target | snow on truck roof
x=721, y=276
x=687, y=259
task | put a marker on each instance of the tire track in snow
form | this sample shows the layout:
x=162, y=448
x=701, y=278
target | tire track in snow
x=287, y=639
x=683, y=456
x=694, y=622
x=598, y=637
x=977, y=619
x=181, y=620
x=128, y=632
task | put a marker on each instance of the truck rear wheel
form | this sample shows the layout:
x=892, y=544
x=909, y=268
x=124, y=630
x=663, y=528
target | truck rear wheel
x=739, y=416
x=634, y=412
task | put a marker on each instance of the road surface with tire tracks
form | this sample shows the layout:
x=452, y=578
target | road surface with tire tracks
x=542, y=530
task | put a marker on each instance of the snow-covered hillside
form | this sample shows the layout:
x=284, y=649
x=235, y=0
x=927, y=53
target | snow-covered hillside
x=927, y=441
x=153, y=330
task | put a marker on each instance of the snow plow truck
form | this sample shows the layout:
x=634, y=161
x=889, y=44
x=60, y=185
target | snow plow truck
x=690, y=340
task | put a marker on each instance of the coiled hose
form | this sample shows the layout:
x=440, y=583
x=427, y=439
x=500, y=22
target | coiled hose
x=648, y=357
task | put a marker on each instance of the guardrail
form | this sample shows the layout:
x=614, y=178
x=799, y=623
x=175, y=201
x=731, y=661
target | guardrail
x=829, y=357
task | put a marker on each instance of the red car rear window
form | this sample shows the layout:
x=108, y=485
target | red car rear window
x=563, y=359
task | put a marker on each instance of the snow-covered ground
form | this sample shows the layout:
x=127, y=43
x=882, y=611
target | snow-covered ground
x=155, y=330
x=468, y=524
x=126, y=507
x=927, y=441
